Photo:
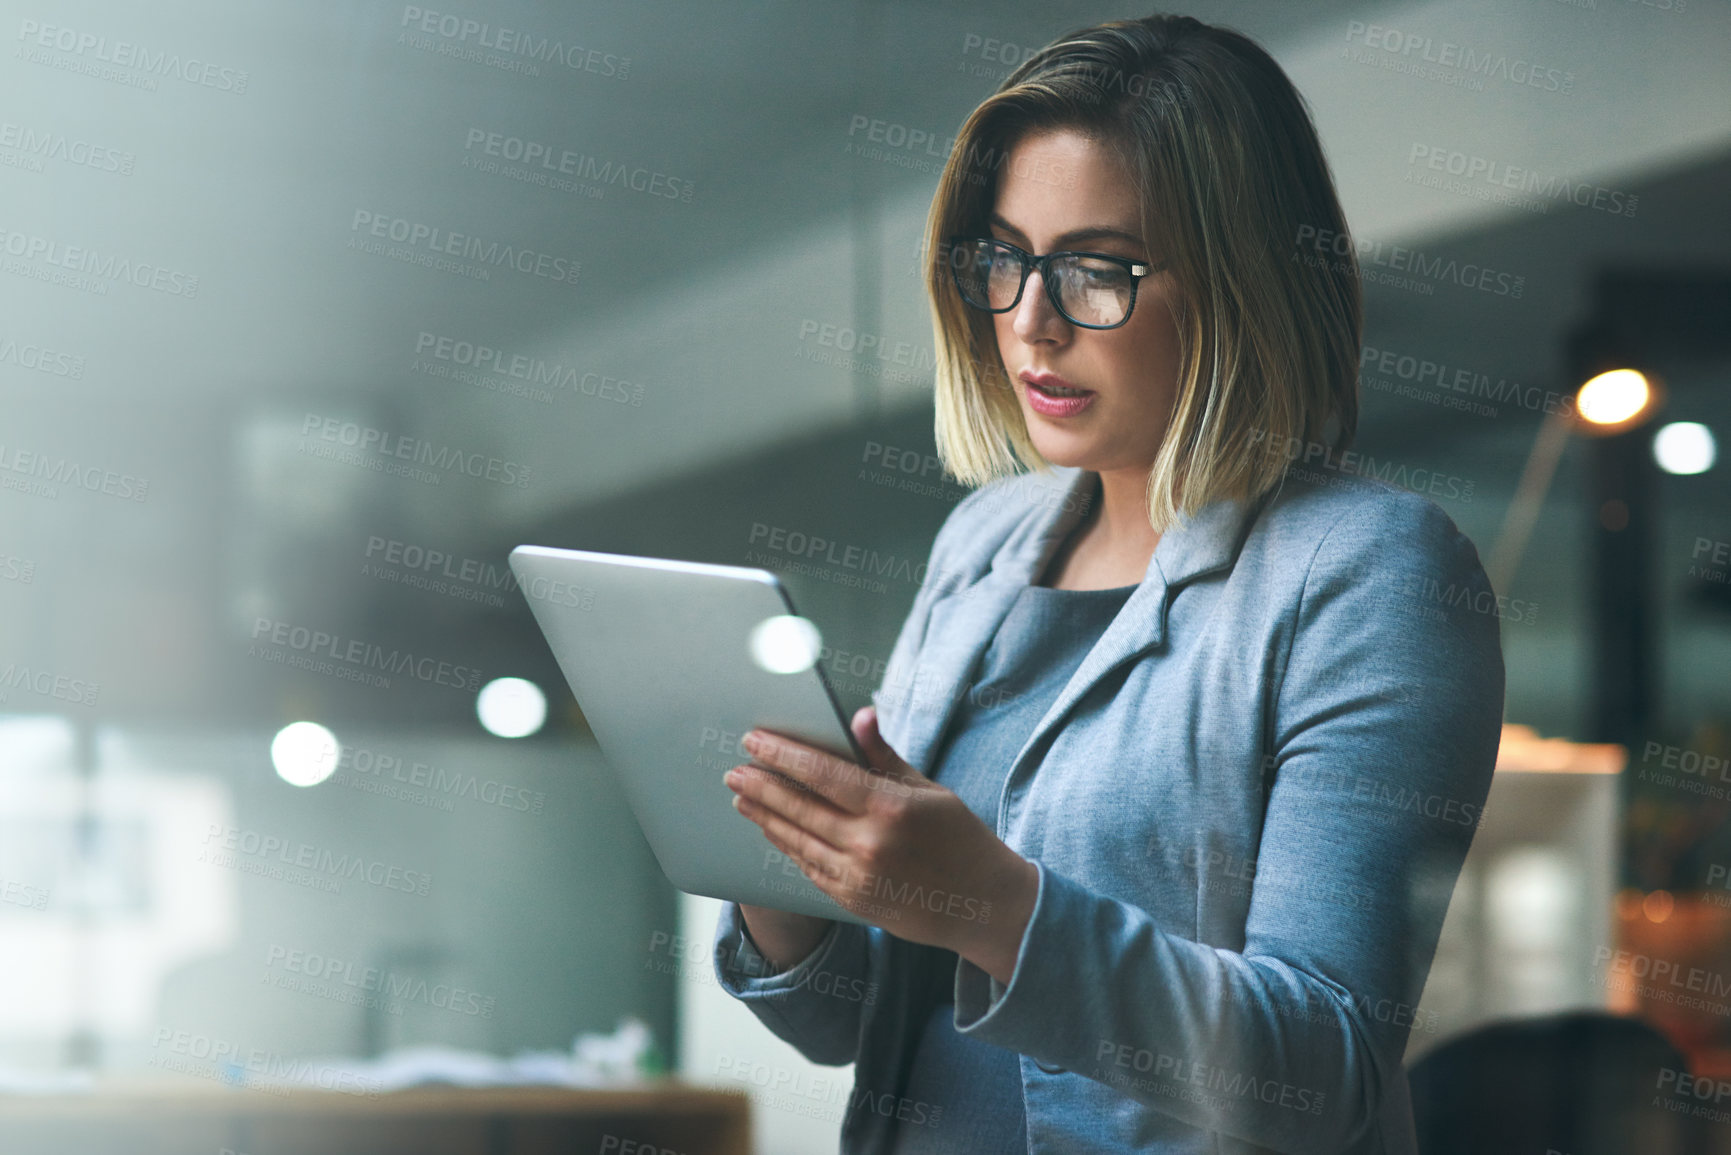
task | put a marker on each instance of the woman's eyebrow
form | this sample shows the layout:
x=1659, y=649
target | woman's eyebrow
x=1074, y=235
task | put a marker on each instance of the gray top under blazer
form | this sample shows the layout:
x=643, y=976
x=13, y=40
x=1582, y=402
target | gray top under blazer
x=1248, y=807
x=1044, y=637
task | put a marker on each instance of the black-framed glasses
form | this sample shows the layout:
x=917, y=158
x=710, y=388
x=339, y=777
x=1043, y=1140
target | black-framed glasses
x=1093, y=290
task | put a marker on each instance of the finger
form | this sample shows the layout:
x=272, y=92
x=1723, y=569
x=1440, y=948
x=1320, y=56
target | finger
x=840, y=782
x=817, y=874
x=791, y=802
x=810, y=852
x=833, y=880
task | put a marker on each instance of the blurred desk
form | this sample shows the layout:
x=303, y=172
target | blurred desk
x=145, y=1119
x=1533, y=905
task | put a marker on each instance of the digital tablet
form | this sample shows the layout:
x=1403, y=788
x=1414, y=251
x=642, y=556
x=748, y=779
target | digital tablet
x=672, y=662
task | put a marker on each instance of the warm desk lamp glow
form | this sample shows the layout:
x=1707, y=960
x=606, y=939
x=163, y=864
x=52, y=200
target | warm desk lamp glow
x=1615, y=401
x=1608, y=403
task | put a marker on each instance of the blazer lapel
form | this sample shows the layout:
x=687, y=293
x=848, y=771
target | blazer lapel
x=963, y=623
x=1207, y=543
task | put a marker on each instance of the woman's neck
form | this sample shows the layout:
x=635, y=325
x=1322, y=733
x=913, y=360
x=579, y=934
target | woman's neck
x=1113, y=543
x=1121, y=525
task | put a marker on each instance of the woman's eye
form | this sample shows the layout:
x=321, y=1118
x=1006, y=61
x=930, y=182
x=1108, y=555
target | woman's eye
x=1100, y=273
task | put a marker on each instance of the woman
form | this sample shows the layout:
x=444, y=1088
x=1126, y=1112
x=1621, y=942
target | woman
x=1180, y=749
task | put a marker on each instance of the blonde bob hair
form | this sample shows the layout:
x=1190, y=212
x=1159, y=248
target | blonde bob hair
x=1232, y=180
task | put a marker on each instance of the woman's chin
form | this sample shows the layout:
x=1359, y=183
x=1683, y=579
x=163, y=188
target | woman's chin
x=1070, y=450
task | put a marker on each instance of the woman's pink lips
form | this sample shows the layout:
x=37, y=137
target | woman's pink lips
x=1045, y=379
x=1045, y=404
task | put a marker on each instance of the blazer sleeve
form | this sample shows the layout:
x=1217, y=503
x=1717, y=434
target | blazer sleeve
x=817, y=1006
x=1385, y=728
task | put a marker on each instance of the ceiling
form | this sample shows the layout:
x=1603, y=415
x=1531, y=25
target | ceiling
x=695, y=333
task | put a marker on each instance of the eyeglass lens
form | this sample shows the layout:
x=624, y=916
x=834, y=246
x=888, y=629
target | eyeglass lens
x=1091, y=291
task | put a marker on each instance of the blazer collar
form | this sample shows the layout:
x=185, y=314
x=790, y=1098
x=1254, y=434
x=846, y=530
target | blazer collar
x=1207, y=542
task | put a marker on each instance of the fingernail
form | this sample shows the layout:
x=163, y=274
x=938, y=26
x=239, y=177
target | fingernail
x=752, y=742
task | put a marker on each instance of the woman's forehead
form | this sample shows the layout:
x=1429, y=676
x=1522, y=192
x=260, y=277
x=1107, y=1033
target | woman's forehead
x=1064, y=157
x=1060, y=183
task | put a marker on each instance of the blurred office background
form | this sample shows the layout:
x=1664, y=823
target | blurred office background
x=309, y=313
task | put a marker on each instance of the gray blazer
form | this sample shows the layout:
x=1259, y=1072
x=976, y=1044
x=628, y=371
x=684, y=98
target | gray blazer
x=1248, y=808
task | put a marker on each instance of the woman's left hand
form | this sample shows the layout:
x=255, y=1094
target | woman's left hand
x=889, y=844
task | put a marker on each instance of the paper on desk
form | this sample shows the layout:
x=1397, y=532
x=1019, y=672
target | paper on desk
x=593, y=1061
x=78, y=1081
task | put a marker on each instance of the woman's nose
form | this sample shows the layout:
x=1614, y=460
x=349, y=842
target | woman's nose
x=1036, y=319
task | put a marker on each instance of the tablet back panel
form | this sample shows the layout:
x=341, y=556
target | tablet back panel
x=657, y=654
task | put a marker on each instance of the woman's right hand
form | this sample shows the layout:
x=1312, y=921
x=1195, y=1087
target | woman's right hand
x=782, y=937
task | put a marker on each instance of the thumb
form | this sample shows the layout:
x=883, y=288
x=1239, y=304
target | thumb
x=872, y=743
